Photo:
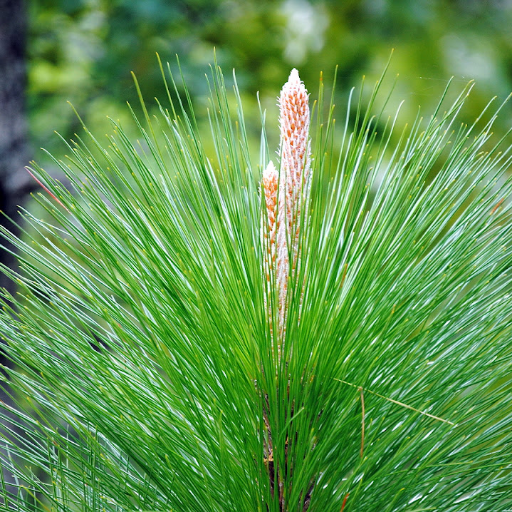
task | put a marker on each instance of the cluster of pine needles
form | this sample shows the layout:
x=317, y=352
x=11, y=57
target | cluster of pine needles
x=327, y=329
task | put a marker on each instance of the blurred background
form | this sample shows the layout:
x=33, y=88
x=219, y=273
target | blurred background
x=83, y=51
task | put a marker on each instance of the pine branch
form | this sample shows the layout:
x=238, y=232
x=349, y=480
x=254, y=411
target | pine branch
x=153, y=296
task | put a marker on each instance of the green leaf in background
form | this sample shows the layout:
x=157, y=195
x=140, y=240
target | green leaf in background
x=145, y=376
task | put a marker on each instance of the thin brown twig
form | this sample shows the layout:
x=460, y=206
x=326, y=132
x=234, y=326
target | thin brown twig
x=46, y=189
x=344, y=275
x=497, y=205
x=398, y=403
x=344, y=501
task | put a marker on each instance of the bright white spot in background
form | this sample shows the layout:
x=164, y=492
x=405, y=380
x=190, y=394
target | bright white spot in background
x=375, y=7
x=305, y=29
x=473, y=59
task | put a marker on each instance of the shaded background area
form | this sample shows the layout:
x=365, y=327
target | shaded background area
x=15, y=184
x=83, y=51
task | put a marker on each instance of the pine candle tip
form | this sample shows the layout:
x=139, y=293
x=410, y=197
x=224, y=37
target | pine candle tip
x=270, y=170
x=294, y=76
x=270, y=180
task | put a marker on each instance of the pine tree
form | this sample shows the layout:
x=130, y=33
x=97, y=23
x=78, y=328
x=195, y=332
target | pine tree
x=326, y=330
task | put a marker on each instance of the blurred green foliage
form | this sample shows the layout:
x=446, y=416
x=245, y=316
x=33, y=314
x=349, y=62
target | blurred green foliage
x=83, y=51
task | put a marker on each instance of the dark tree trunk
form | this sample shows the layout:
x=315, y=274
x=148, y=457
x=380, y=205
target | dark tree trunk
x=15, y=182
